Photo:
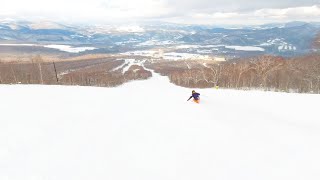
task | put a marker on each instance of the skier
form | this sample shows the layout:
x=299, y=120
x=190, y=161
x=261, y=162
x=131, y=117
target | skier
x=195, y=96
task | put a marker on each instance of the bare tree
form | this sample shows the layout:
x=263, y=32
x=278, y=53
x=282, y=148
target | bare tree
x=243, y=68
x=38, y=60
x=215, y=74
x=263, y=66
x=14, y=75
x=55, y=70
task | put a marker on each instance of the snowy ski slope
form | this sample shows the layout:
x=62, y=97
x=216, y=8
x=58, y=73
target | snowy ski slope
x=146, y=130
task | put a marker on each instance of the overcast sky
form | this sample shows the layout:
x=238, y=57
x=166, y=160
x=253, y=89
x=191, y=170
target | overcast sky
x=177, y=11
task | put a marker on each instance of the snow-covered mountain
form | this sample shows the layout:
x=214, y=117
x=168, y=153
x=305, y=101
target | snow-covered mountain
x=147, y=130
x=288, y=39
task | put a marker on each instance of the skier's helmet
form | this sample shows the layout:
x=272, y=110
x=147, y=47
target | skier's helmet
x=193, y=91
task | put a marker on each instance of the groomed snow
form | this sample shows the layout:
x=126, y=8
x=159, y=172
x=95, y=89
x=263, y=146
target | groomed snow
x=131, y=62
x=146, y=130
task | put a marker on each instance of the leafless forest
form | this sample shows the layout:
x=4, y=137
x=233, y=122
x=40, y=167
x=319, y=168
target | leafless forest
x=300, y=74
x=88, y=72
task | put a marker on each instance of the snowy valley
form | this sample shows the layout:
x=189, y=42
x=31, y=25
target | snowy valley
x=288, y=40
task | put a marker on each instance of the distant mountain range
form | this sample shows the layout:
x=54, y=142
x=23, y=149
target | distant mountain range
x=288, y=39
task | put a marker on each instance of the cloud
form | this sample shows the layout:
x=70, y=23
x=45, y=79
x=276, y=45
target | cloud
x=287, y=13
x=136, y=8
x=217, y=15
x=211, y=6
x=180, y=11
x=85, y=10
x=260, y=16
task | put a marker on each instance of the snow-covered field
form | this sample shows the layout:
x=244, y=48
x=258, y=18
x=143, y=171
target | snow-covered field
x=155, y=43
x=185, y=56
x=146, y=130
x=18, y=45
x=174, y=56
x=65, y=48
x=70, y=49
x=281, y=43
x=215, y=47
x=245, y=48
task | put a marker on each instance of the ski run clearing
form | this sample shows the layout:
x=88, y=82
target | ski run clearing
x=146, y=130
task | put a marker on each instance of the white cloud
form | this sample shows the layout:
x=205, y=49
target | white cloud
x=180, y=11
x=217, y=15
x=261, y=16
x=85, y=10
x=297, y=12
x=136, y=8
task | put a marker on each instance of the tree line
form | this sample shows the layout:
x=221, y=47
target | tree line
x=300, y=74
x=91, y=72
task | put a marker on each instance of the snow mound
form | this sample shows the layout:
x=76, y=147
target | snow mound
x=147, y=130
